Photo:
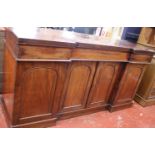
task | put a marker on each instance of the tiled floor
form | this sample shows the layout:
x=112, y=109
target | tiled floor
x=134, y=117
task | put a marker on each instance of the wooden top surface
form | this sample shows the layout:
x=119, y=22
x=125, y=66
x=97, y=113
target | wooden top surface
x=58, y=38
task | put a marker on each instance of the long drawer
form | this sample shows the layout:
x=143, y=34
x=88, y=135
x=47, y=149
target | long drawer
x=34, y=52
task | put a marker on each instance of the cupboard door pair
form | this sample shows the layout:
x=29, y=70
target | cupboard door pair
x=88, y=85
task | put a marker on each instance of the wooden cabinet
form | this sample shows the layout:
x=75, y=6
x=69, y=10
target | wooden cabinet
x=146, y=91
x=49, y=77
x=147, y=36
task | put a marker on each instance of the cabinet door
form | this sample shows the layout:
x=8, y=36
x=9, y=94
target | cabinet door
x=103, y=83
x=38, y=90
x=77, y=85
x=128, y=84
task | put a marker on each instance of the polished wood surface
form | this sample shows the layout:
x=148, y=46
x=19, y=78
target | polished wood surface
x=146, y=91
x=147, y=36
x=53, y=75
x=34, y=52
x=38, y=90
x=77, y=85
x=47, y=37
x=127, y=85
x=2, y=35
x=103, y=83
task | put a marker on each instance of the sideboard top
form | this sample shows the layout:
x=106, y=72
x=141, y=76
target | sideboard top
x=49, y=37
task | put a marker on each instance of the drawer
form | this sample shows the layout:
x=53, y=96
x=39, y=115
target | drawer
x=140, y=57
x=35, y=52
x=96, y=55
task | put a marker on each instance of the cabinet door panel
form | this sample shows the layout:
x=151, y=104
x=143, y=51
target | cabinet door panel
x=39, y=90
x=80, y=76
x=129, y=83
x=103, y=83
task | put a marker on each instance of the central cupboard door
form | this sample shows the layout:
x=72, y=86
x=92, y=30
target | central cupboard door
x=104, y=80
x=78, y=83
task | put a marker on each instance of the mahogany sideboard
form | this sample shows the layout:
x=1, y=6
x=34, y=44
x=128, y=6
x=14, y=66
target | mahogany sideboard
x=51, y=75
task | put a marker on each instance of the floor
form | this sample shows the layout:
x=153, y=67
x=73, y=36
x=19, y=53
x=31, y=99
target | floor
x=134, y=117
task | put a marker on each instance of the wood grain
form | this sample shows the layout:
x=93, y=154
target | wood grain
x=103, y=84
x=128, y=84
x=35, y=52
x=50, y=76
x=145, y=94
x=77, y=85
x=38, y=90
x=9, y=78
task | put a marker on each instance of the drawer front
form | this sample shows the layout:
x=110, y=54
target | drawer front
x=96, y=55
x=140, y=58
x=33, y=52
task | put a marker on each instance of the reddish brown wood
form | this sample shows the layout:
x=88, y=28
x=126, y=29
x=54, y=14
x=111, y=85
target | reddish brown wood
x=77, y=85
x=99, y=55
x=140, y=58
x=49, y=76
x=103, y=83
x=9, y=78
x=53, y=38
x=34, y=52
x=38, y=91
x=127, y=85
